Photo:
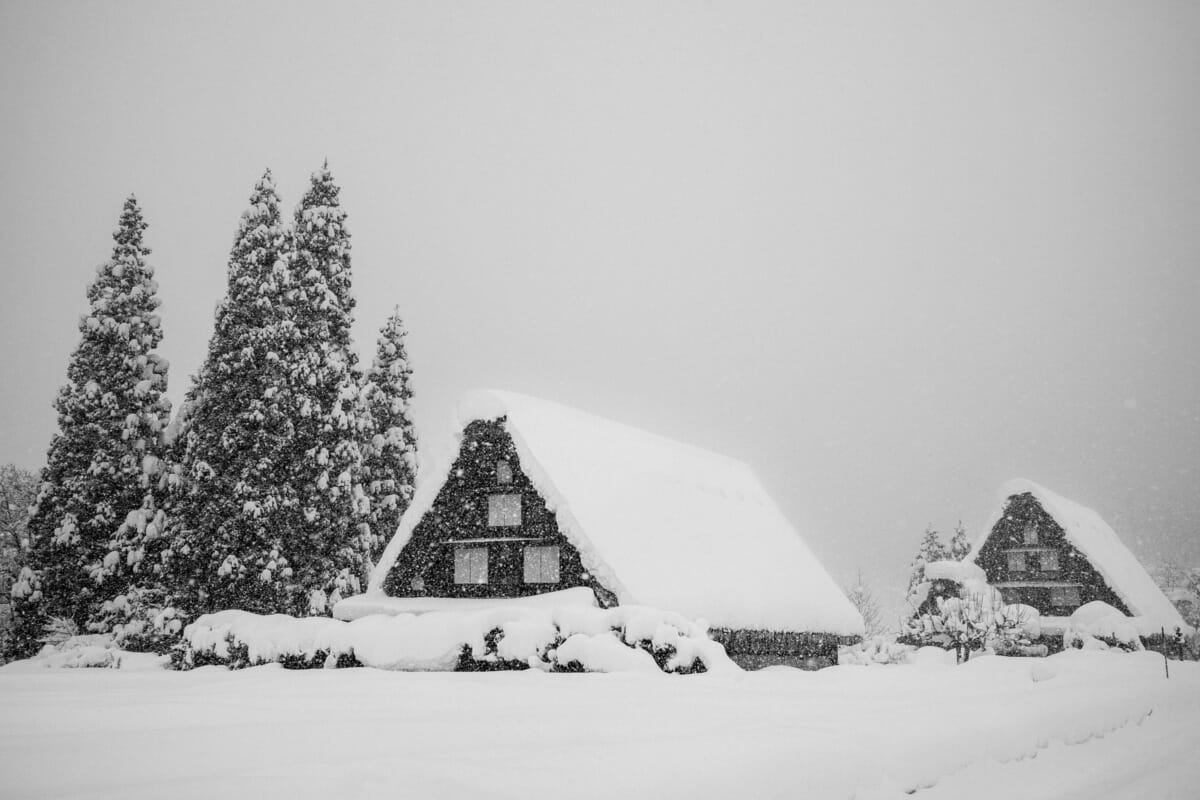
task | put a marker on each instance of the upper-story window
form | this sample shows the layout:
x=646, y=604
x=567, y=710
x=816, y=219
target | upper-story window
x=503, y=472
x=471, y=565
x=1049, y=560
x=1016, y=562
x=541, y=565
x=504, y=510
x=1031, y=533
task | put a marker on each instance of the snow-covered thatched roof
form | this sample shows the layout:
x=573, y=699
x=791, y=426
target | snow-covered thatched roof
x=659, y=523
x=1092, y=536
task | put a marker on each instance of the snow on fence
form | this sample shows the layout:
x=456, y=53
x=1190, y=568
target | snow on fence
x=552, y=640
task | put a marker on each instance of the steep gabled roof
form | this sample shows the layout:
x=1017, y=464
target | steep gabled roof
x=658, y=522
x=1092, y=537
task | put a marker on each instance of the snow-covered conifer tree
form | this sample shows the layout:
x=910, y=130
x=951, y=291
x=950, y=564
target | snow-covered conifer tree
x=959, y=546
x=325, y=405
x=18, y=488
x=233, y=509
x=930, y=550
x=111, y=414
x=389, y=454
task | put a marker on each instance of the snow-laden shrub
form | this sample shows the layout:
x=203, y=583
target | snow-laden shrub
x=1099, y=626
x=139, y=620
x=960, y=611
x=961, y=622
x=90, y=650
x=63, y=646
x=1021, y=620
x=640, y=640
x=552, y=640
x=239, y=639
x=876, y=650
x=1018, y=629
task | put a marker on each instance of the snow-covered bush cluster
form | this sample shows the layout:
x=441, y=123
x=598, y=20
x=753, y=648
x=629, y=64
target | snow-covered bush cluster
x=876, y=650
x=956, y=609
x=1099, y=626
x=625, y=638
x=140, y=621
x=92, y=651
x=64, y=647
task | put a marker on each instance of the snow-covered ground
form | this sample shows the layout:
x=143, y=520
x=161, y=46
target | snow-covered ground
x=1093, y=725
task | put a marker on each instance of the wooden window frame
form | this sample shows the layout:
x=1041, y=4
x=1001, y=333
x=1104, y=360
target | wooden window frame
x=500, y=516
x=1067, y=602
x=471, y=566
x=540, y=562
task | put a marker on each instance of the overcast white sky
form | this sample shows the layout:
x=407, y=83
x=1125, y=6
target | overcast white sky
x=890, y=254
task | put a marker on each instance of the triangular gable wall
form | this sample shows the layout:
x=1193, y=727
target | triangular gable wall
x=1033, y=586
x=1117, y=567
x=458, y=518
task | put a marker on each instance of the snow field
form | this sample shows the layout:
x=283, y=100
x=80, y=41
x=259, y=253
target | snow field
x=986, y=729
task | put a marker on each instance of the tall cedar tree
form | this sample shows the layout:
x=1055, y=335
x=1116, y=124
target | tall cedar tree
x=389, y=455
x=930, y=550
x=324, y=380
x=111, y=414
x=232, y=509
x=959, y=546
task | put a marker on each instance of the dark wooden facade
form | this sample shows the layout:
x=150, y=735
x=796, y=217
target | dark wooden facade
x=1028, y=557
x=462, y=518
x=755, y=649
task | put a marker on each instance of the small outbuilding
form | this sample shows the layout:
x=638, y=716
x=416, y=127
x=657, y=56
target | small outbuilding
x=1045, y=551
x=536, y=500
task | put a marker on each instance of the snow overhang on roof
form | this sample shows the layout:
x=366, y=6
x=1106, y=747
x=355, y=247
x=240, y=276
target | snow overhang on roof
x=658, y=522
x=1092, y=536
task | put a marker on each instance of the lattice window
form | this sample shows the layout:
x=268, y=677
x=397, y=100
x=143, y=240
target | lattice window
x=1065, y=597
x=504, y=510
x=471, y=565
x=541, y=565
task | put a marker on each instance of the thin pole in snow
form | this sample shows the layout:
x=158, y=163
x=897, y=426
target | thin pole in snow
x=1166, y=666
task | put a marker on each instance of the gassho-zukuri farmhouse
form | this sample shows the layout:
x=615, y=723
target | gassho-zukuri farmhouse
x=537, y=503
x=1042, y=550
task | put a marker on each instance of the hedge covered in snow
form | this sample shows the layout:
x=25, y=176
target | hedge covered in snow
x=625, y=638
x=1099, y=626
